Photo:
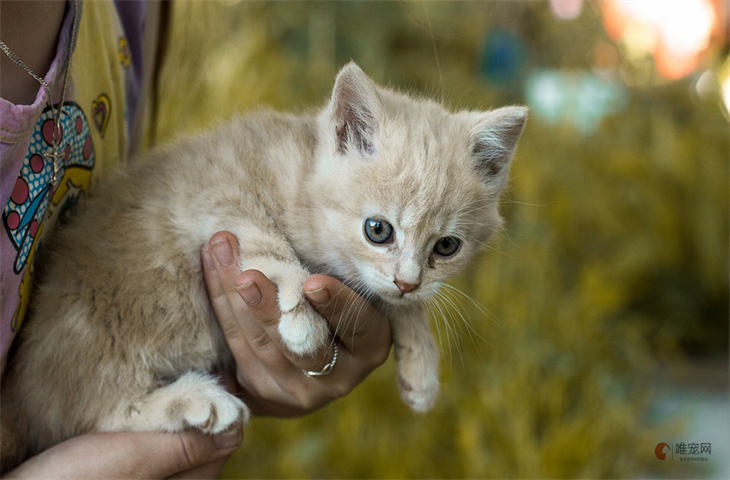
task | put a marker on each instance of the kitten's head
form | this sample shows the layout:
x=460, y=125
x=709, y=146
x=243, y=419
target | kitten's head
x=406, y=192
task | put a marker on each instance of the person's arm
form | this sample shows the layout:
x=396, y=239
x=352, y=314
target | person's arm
x=37, y=51
x=272, y=378
x=132, y=455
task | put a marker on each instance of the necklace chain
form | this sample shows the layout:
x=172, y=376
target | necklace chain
x=16, y=60
x=56, y=141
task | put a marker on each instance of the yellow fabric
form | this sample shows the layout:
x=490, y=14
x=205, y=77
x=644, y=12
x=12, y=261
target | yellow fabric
x=97, y=87
x=98, y=81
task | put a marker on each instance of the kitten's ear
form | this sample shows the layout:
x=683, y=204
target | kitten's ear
x=354, y=110
x=493, y=140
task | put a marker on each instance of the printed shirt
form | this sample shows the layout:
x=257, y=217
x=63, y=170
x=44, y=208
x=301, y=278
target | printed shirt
x=102, y=94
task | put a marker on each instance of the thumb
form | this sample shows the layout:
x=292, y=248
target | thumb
x=128, y=455
x=187, y=450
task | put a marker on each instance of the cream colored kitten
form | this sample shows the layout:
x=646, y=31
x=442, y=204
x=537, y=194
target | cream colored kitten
x=389, y=193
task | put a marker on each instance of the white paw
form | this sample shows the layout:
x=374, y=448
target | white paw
x=303, y=330
x=203, y=404
x=214, y=411
x=420, y=393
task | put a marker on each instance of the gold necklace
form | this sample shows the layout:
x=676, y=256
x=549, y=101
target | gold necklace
x=54, y=153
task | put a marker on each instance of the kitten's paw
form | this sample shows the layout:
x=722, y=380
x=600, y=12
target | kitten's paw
x=419, y=393
x=303, y=330
x=418, y=380
x=200, y=402
x=213, y=411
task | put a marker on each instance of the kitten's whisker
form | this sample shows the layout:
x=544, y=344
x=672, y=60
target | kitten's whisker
x=488, y=246
x=474, y=334
x=473, y=209
x=352, y=311
x=344, y=319
x=506, y=234
x=442, y=317
x=518, y=202
x=357, y=315
x=452, y=338
x=481, y=308
x=475, y=205
x=451, y=327
x=478, y=201
x=452, y=320
x=431, y=307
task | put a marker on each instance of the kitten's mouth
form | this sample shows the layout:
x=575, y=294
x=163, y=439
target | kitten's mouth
x=399, y=298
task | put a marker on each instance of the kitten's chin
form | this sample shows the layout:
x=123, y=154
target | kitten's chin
x=399, y=300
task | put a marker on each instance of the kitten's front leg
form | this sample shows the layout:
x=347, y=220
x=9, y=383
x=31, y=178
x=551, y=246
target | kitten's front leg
x=417, y=358
x=302, y=328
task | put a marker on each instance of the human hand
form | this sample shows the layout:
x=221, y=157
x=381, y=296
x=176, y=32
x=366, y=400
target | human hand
x=273, y=381
x=133, y=455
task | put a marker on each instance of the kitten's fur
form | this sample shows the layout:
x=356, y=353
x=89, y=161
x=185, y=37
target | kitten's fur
x=123, y=337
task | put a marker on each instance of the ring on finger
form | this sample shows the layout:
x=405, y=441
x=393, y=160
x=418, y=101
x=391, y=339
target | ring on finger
x=327, y=369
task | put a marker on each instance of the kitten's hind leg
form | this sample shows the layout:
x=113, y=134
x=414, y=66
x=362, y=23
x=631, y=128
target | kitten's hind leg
x=195, y=400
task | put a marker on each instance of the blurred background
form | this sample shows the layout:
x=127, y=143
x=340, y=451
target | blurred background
x=595, y=327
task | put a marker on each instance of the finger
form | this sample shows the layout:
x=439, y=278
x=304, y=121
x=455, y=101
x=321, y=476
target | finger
x=125, y=455
x=259, y=294
x=267, y=315
x=210, y=470
x=362, y=329
x=219, y=269
x=261, y=326
x=221, y=273
x=265, y=397
x=237, y=298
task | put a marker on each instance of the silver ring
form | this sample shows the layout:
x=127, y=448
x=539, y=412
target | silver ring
x=327, y=369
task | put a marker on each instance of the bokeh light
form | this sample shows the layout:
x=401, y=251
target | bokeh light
x=566, y=9
x=581, y=99
x=674, y=32
x=724, y=78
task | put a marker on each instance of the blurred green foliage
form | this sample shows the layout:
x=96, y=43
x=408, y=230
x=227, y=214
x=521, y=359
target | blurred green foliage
x=614, y=260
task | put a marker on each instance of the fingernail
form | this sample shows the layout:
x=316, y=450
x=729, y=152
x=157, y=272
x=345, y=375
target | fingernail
x=250, y=293
x=223, y=252
x=226, y=441
x=320, y=295
x=207, y=261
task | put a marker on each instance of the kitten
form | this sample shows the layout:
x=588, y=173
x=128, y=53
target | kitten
x=391, y=194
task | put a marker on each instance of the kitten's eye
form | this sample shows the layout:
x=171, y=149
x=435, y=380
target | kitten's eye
x=378, y=231
x=447, y=246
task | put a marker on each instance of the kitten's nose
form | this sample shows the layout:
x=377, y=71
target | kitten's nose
x=405, y=287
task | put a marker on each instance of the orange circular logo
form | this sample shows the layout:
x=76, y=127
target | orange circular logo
x=659, y=450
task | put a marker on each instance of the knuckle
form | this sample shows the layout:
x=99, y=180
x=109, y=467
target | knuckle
x=380, y=359
x=245, y=383
x=231, y=330
x=381, y=355
x=253, y=386
x=268, y=319
x=260, y=341
x=359, y=332
x=340, y=389
x=190, y=452
x=306, y=399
